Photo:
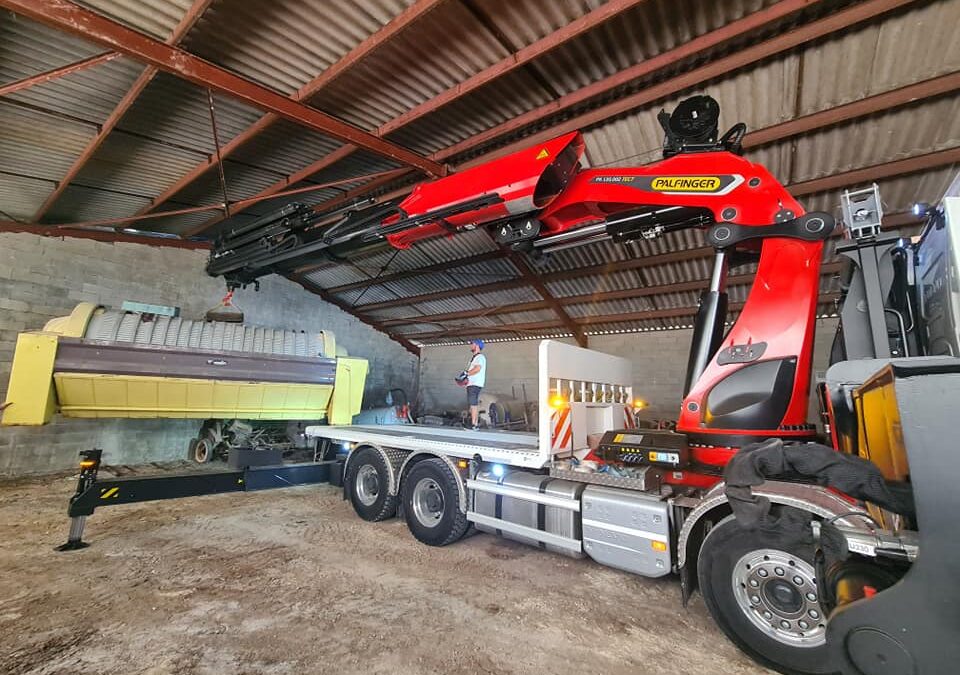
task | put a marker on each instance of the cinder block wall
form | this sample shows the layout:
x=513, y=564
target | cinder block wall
x=509, y=366
x=659, y=363
x=42, y=278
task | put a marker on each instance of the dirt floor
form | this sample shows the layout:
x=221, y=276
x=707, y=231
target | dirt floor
x=291, y=581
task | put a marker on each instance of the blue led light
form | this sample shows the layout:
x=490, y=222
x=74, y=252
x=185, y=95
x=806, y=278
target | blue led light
x=498, y=470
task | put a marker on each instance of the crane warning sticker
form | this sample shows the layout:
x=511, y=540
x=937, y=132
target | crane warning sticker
x=672, y=185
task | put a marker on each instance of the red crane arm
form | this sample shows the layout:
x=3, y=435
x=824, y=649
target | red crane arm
x=749, y=383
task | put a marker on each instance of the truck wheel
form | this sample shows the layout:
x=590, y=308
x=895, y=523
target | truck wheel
x=762, y=592
x=368, y=483
x=431, y=503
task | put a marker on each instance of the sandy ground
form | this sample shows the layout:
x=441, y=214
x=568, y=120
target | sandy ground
x=291, y=581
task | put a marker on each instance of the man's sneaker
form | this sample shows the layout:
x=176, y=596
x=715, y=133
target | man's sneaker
x=474, y=428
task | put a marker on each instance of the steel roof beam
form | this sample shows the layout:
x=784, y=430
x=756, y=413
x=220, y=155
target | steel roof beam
x=518, y=59
x=694, y=48
x=532, y=278
x=326, y=297
x=900, y=167
x=828, y=269
x=102, y=235
x=738, y=60
x=54, y=73
x=654, y=314
x=350, y=59
x=406, y=274
x=188, y=21
x=878, y=103
x=700, y=253
x=76, y=20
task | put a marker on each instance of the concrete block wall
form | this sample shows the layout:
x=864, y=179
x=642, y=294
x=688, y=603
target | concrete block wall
x=509, y=366
x=659, y=364
x=42, y=278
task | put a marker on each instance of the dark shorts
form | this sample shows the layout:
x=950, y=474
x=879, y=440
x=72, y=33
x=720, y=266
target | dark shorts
x=473, y=395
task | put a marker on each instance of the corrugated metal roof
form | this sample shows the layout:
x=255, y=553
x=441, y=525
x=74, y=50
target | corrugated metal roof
x=20, y=197
x=39, y=145
x=907, y=132
x=651, y=28
x=154, y=17
x=285, y=147
x=609, y=307
x=174, y=111
x=877, y=58
x=445, y=48
x=135, y=165
x=513, y=94
x=284, y=44
x=83, y=203
x=334, y=274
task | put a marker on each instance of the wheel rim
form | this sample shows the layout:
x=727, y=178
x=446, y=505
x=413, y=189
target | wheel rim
x=203, y=450
x=368, y=485
x=427, y=502
x=778, y=593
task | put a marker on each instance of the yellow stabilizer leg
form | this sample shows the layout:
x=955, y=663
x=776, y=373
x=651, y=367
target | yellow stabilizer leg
x=30, y=395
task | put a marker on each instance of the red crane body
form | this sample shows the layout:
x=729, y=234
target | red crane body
x=753, y=383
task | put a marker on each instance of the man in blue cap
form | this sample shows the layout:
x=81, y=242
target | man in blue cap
x=476, y=378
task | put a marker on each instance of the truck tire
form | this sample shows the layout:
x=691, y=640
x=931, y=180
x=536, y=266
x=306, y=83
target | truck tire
x=761, y=590
x=202, y=450
x=431, y=503
x=368, y=484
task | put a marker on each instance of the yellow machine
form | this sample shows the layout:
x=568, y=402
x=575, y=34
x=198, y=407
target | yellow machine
x=100, y=363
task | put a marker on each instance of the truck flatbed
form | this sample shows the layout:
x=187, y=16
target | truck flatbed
x=508, y=447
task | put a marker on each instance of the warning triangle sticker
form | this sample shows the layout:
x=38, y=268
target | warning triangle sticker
x=543, y=154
